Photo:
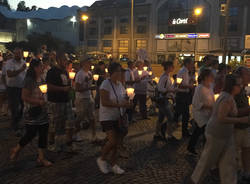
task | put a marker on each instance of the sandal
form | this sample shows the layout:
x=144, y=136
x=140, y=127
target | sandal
x=44, y=162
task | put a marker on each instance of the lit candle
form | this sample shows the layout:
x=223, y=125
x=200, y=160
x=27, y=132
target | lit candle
x=196, y=77
x=140, y=72
x=248, y=100
x=72, y=75
x=28, y=64
x=106, y=70
x=156, y=79
x=95, y=77
x=179, y=80
x=43, y=88
x=130, y=93
x=150, y=73
x=92, y=67
x=25, y=54
x=216, y=96
x=145, y=68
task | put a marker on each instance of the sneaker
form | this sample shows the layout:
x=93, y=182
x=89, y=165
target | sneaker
x=103, y=165
x=117, y=170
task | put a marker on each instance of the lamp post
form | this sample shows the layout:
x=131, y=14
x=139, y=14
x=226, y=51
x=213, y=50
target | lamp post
x=132, y=29
x=197, y=12
x=84, y=18
x=225, y=53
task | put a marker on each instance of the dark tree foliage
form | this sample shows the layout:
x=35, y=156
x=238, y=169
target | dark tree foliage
x=5, y=3
x=36, y=40
x=22, y=7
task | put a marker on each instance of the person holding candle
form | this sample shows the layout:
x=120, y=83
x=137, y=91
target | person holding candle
x=141, y=81
x=129, y=82
x=166, y=94
x=202, y=106
x=220, y=145
x=112, y=107
x=62, y=118
x=35, y=114
x=102, y=76
x=15, y=74
x=242, y=131
x=84, y=99
x=182, y=100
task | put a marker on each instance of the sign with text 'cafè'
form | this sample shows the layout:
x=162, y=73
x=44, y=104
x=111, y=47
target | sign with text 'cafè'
x=181, y=21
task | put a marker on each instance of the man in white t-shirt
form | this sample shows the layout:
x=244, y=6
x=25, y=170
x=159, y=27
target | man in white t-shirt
x=84, y=100
x=182, y=96
x=16, y=71
x=141, y=78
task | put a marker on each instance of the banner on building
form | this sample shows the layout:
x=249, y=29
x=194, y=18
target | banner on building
x=247, y=42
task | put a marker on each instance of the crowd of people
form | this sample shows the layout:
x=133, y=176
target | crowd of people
x=73, y=94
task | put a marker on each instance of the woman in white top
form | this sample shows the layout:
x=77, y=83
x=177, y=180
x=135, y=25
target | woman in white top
x=112, y=96
x=202, y=105
x=220, y=147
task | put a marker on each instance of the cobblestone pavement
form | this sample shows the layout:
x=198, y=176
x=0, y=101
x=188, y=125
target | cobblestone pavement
x=149, y=162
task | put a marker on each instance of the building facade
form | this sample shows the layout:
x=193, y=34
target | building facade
x=60, y=22
x=11, y=30
x=165, y=29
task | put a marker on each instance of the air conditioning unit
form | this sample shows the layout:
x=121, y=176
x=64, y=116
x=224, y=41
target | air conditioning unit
x=223, y=9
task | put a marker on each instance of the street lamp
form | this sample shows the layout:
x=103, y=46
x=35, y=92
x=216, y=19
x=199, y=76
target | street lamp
x=132, y=29
x=197, y=12
x=84, y=18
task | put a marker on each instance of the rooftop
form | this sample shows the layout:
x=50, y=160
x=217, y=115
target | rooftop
x=45, y=14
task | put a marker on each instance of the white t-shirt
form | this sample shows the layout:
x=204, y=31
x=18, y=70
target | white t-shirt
x=18, y=80
x=111, y=113
x=141, y=87
x=129, y=75
x=165, y=85
x=202, y=95
x=85, y=80
x=184, y=74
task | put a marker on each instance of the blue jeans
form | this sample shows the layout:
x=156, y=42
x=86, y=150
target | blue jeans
x=165, y=111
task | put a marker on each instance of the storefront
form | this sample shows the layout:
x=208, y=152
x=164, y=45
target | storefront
x=181, y=45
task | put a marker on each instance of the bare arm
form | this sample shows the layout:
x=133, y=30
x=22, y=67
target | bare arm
x=27, y=97
x=224, y=109
x=14, y=73
x=53, y=87
x=104, y=95
x=80, y=88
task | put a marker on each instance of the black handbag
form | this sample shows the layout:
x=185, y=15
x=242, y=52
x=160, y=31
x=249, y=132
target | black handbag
x=122, y=122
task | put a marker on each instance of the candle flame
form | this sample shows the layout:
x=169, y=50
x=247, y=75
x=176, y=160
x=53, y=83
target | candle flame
x=72, y=75
x=179, y=80
x=43, y=88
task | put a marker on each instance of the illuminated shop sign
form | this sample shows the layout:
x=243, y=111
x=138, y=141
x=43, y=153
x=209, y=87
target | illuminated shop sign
x=180, y=21
x=182, y=36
